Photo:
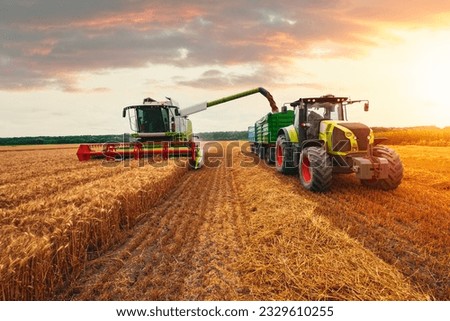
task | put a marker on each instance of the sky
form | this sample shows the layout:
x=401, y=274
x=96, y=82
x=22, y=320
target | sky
x=69, y=67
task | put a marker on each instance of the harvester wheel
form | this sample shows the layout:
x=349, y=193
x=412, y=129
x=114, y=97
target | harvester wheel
x=281, y=162
x=198, y=162
x=315, y=169
x=395, y=171
x=191, y=164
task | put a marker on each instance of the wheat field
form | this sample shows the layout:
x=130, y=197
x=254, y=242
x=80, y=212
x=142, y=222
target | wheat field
x=56, y=213
x=232, y=231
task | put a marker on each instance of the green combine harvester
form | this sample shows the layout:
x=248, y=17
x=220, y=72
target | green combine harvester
x=161, y=128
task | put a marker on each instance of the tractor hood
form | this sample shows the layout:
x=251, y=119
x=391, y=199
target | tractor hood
x=346, y=136
x=354, y=127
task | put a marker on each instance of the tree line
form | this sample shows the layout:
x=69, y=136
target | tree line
x=114, y=138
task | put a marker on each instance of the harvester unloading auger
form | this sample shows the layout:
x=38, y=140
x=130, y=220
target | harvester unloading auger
x=162, y=128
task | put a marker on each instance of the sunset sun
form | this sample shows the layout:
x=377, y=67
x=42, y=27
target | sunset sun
x=430, y=69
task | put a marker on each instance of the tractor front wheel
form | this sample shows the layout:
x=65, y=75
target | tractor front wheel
x=395, y=170
x=315, y=169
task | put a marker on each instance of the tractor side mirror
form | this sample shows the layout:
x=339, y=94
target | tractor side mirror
x=124, y=113
x=366, y=106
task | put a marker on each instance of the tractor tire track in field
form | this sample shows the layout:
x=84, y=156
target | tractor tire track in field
x=183, y=250
x=400, y=227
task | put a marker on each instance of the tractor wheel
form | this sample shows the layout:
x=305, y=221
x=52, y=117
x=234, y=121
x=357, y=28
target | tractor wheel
x=395, y=171
x=281, y=163
x=315, y=169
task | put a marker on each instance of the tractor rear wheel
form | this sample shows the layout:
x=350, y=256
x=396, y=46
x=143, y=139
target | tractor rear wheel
x=315, y=170
x=281, y=162
x=395, y=170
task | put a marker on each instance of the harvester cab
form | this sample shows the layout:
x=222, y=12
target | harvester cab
x=322, y=141
x=166, y=121
x=162, y=128
x=158, y=120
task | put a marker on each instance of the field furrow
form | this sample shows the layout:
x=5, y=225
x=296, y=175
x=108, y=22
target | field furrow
x=234, y=230
x=183, y=249
x=57, y=234
x=235, y=233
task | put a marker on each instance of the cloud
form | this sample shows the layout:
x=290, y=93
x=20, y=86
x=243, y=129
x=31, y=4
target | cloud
x=216, y=79
x=48, y=43
x=414, y=13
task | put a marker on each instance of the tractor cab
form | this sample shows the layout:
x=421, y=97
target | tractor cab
x=310, y=113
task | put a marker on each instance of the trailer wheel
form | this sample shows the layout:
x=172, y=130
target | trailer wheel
x=395, y=170
x=270, y=159
x=315, y=170
x=261, y=152
x=281, y=163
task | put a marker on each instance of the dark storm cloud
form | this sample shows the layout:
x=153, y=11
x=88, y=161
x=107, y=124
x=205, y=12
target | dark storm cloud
x=47, y=43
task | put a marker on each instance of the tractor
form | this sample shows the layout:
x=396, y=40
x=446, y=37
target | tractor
x=321, y=142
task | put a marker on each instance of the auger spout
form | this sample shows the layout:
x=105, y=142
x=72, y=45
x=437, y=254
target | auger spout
x=261, y=90
x=203, y=106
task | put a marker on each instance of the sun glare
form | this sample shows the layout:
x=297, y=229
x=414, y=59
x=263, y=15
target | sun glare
x=430, y=70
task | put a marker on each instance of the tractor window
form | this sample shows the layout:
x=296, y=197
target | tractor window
x=333, y=112
x=314, y=120
x=328, y=110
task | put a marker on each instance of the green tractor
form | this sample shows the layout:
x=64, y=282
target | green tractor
x=321, y=142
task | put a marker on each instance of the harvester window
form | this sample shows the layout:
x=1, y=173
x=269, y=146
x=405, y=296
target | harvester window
x=153, y=120
x=165, y=119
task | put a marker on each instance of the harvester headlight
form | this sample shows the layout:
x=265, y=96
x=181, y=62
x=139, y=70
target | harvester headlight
x=348, y=134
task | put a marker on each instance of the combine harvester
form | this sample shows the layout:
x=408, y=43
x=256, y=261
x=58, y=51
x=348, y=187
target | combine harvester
x=161, y=128
x=316, y=140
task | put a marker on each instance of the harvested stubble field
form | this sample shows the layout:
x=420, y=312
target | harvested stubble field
x=231, y=231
